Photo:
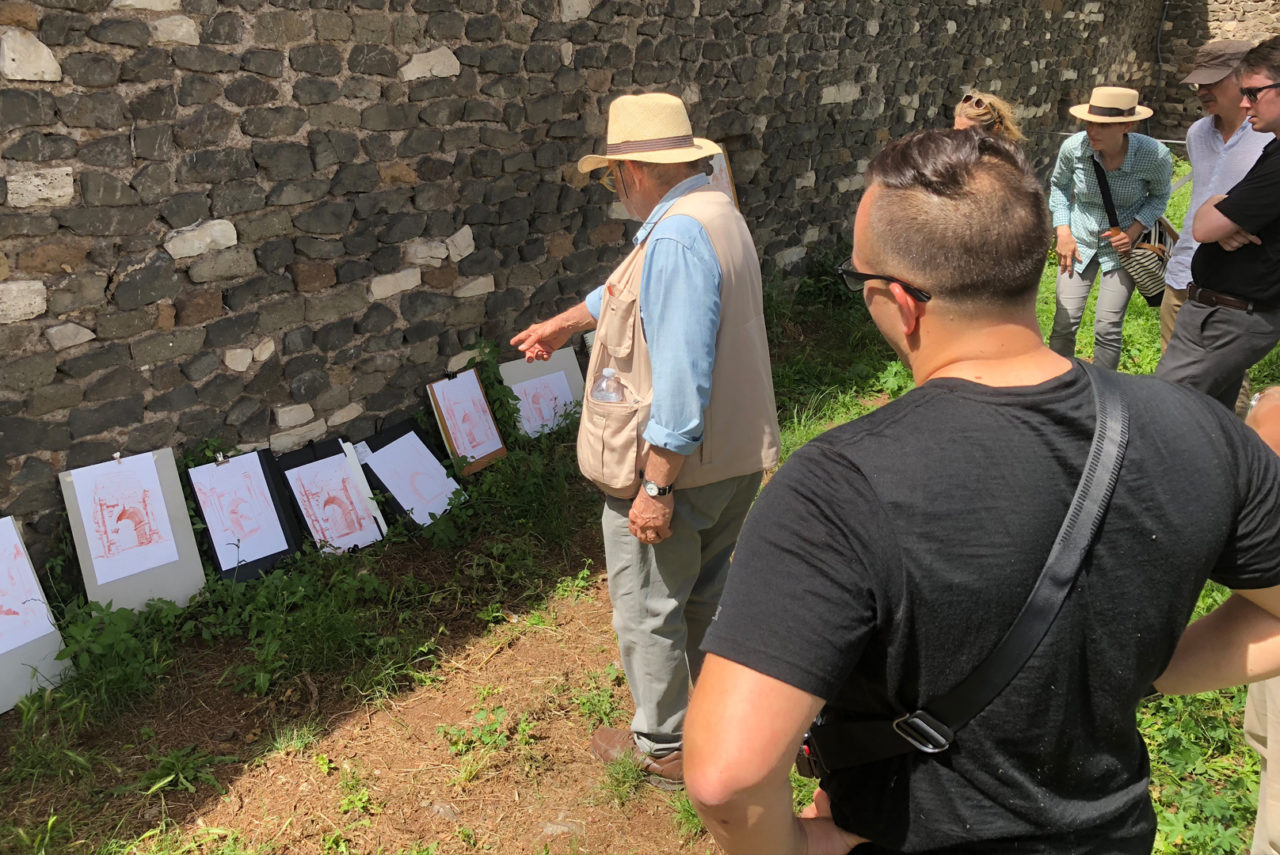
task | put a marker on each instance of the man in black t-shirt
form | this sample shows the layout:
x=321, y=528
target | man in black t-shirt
x=887, y=558
x=1234, y=299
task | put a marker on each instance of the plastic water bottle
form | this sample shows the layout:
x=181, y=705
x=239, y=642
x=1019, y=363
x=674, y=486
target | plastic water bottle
x=608, y=389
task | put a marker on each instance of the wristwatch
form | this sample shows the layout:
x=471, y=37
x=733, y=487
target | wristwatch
x=653, y=489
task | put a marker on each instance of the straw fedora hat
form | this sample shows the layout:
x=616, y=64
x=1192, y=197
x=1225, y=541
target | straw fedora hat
x=653, y=128
x=1111, y=104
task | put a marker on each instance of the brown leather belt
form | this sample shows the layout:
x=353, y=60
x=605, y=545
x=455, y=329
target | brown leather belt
x=1214, y=298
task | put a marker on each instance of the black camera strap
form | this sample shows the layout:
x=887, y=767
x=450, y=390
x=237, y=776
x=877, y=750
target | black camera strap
x=840, y=744
x=1105, y=187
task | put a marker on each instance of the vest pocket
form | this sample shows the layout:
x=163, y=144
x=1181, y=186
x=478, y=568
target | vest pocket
x=617, y=326
x=609, y=445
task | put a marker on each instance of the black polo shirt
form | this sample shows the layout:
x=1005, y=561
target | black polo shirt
x=1253, y=270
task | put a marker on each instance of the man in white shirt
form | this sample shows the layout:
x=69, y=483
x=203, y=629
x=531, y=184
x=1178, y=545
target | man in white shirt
x=1221, y=146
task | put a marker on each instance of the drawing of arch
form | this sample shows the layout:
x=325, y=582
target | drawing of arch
x=339, y=519
x=240, y=518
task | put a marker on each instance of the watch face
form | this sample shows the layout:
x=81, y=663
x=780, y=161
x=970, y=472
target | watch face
x=652, y=489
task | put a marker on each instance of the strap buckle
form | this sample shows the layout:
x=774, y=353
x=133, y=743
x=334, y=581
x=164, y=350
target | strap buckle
x=924, y=732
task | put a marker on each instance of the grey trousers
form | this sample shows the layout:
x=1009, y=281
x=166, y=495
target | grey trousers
x=665, y=595
x=1114, y=290
x=1263, y=704
x=1212, y=348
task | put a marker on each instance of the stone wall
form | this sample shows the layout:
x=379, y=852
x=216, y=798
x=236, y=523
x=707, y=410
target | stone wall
x=269, y=222
x=1188, y=25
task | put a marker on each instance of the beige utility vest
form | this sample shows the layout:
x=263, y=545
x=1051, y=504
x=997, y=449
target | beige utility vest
x=740, y=425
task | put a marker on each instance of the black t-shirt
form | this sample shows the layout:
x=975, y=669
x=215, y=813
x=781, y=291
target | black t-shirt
x=1253, y=270
x=887, y=557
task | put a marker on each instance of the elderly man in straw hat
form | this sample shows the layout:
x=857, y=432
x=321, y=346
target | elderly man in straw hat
x=680, y=325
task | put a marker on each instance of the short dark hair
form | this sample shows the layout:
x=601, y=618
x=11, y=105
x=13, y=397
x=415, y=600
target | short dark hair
x=1264, y=58
x=962, y=214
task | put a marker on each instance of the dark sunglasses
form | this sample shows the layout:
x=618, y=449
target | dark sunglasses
x=975, y=101
x=1251, y=93
x=855, y=280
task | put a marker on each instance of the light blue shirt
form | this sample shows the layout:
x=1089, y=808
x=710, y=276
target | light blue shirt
x=1216, y=167
x=680, y=311
x=1139, y=189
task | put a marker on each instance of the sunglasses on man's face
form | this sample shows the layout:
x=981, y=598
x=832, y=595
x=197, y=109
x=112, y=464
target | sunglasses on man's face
x=856, y=280
x=1251, y=93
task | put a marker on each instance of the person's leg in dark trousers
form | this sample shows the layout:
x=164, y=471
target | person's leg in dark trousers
x=1213, y=347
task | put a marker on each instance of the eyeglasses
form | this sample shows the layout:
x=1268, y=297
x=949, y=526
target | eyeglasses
x=855, y=280
x=609, y=180
x=975, y=101
x=1251, y=93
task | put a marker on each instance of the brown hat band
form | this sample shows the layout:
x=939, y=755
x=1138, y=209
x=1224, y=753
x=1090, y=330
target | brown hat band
x=1111, y=111
x=636, y=146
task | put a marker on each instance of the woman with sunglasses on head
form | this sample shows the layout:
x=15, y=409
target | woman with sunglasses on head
x=989, y=114
x=1137, y=170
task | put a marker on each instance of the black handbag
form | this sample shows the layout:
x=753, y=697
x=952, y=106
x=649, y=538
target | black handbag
x=1150, y=254
x=840, y=744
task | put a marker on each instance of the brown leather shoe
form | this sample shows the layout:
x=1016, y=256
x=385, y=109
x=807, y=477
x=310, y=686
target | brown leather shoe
x=665, y=772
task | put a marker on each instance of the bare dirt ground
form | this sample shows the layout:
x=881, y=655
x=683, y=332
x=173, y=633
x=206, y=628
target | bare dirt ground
x=382, y=777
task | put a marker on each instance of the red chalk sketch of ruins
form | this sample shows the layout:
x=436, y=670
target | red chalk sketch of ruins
x=465, y=416
x=414, y=477
x=24, y=615
x=124, y=516
x=543, y=401
x=242, y=521
x=332, y=504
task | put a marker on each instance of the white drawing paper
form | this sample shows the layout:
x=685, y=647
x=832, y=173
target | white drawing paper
x=24, y=613
x=125, y=518
x=466, y=416
x=243, y=523
x=543, y=402
x=414, y=477
x=336, y=510
x=362, y=484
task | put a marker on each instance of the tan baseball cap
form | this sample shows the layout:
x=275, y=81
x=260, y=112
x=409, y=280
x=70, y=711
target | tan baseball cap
x=1216, y=59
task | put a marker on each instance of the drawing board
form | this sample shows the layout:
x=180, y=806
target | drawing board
x=29, y=642
x=131, y=530
x=414, y=482
x=545, y=390
x=244, y=508
x=333, y=496
x=466, y=421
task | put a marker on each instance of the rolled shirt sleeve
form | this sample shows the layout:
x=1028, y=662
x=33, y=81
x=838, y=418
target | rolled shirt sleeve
x=594, y=300
x=680, y=309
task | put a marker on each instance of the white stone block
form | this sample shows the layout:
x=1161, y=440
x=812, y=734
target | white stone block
x=25, y=57
x=292, y=415
x=22, y=300
x=566, y=53
x=52, y=187
x=873, y=28
x=425, y=253
x=459, y=361
x=67, y=335
x=390, y=284
x=264, y=351
x=288, y=440
x=811, y=235
x=176, y=29
x=575, y=10
x=238, y=358
x=461, y=244
x=438, y=63
x=789, y=257
x=809, y=179
x=148, y=5
x=200, y=238
x=841, y=93
x=344, y=415
x=474, y=287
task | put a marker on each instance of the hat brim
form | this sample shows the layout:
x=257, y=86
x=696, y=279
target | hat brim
x=1081, y=112
x=1207, y=76
x=701, y=148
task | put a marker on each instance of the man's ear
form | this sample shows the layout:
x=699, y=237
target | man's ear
x=908, y=309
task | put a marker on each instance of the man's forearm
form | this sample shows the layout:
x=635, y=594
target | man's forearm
x=1236, y=643
x=662, y=466
x=760, y=821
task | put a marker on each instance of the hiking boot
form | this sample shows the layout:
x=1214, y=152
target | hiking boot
x=665, y=772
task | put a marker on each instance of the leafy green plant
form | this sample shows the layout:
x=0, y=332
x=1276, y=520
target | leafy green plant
x=575, y=587
x=467, y=836
x=292, y=738
x=355, y=795
x=180, y=769
x=688, y=823
x=487, y=733
x=596, y=701
x=324, y=764
x=50, y=838
x=45, y=746
x=623, y=778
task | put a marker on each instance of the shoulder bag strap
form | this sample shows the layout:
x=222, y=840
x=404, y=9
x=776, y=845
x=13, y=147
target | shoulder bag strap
x=932, y=728
x=1105, y=187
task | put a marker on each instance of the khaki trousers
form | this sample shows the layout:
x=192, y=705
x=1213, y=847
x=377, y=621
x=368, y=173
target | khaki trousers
x=1264, y=702
x=665, y=595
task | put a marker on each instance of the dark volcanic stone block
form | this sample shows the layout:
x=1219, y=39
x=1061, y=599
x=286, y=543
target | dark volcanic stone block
x=207, y=126
x=156, y=105
x=35, y=146
x=321, y=60
x=184, y=209
x=91, y=69
x=249, y=91
x=106, y=221
x=269, y=63
x=314, y=90
x=105, y=110
x=121, y=31
x=198, y=89
x=283, y=160
x=147, y=64
x=330, y=218
x=107, y=151
x=271, y=122
x=89, y=421
x=215, y=166
x=373, y=59
x=202, y=58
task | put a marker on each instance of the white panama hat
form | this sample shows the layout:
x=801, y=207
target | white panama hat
x=653, y=128
x=1111, y=104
